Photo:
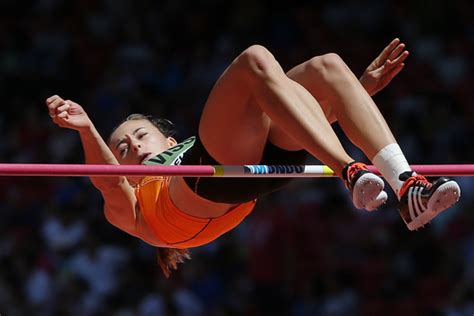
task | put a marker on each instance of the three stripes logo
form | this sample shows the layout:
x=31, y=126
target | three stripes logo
x=416, y=206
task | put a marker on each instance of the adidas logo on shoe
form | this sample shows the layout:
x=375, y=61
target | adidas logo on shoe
x=421, y=200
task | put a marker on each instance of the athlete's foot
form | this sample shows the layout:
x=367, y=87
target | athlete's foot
x=421, y=200
x=366, y=188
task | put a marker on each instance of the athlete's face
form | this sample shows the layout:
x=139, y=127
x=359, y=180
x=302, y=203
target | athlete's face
x=135, y=141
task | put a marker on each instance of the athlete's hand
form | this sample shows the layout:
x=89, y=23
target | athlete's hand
x=67, y=114
x=385, y=67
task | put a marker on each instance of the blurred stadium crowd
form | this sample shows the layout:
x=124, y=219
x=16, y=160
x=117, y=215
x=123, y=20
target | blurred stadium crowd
x=305, y=250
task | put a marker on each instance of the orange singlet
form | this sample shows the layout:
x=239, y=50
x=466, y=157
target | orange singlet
x=176, y=228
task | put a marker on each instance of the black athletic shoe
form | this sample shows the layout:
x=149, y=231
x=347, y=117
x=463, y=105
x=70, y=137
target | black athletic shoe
x=421, y=200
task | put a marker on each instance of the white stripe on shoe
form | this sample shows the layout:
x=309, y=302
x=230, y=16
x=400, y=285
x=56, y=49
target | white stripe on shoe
x=422, y=205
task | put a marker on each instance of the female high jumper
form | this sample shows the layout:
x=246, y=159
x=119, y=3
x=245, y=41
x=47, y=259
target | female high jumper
x=255, y=114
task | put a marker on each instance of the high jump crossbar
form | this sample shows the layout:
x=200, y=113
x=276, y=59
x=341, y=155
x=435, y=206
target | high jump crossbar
x=243, y=171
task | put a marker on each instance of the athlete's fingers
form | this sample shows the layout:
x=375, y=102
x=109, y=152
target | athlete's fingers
x=401, y=58
x=53, y=105
x=75, y=108
x=384, y=55
x=396, y=51
x=62, y=115
x=72, y=103
x=392, y=64
x=51, y=98
x=63, y=107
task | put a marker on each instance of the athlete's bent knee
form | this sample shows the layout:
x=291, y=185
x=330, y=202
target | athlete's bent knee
x=257, y=61
x=326, y=65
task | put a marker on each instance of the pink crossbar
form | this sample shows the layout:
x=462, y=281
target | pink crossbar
x=71, y=170
x=76, y=170
x=466, y=170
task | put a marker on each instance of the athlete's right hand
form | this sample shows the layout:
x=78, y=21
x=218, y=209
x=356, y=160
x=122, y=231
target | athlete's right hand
x=67, y=114
x=385, y=67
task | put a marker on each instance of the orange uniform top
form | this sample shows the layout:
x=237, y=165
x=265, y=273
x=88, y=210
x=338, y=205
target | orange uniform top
x=176, y=228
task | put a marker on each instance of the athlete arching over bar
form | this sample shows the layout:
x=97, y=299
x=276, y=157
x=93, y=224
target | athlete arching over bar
x=255, y=114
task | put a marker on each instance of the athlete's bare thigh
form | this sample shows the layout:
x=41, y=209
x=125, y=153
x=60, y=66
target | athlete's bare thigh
x=305, y=77
x=233, y=128
x=314, y=84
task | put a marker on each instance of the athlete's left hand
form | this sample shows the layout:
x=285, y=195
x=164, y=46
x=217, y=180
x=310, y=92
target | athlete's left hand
x=385, y=67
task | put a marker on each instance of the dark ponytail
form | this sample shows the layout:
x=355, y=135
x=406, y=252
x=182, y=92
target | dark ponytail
x=168, y=259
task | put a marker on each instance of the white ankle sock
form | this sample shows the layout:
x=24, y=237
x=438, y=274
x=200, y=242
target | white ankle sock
x=391, y=162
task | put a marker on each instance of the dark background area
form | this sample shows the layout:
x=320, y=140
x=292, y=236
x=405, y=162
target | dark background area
x=303, y=251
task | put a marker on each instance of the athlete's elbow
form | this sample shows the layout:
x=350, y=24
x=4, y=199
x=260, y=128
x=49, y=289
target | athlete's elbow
x=119, y=219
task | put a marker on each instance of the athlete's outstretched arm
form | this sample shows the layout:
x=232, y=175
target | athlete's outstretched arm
x=119, y=199
x=384, y=67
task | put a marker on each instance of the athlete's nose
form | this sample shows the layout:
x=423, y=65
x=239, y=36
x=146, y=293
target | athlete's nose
x=136, y=146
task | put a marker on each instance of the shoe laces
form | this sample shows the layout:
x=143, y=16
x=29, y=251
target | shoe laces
x=351, y=171
x=415, y=179
x=354, y=168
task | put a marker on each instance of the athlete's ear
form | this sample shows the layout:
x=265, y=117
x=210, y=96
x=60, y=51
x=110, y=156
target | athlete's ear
x=172, y=141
